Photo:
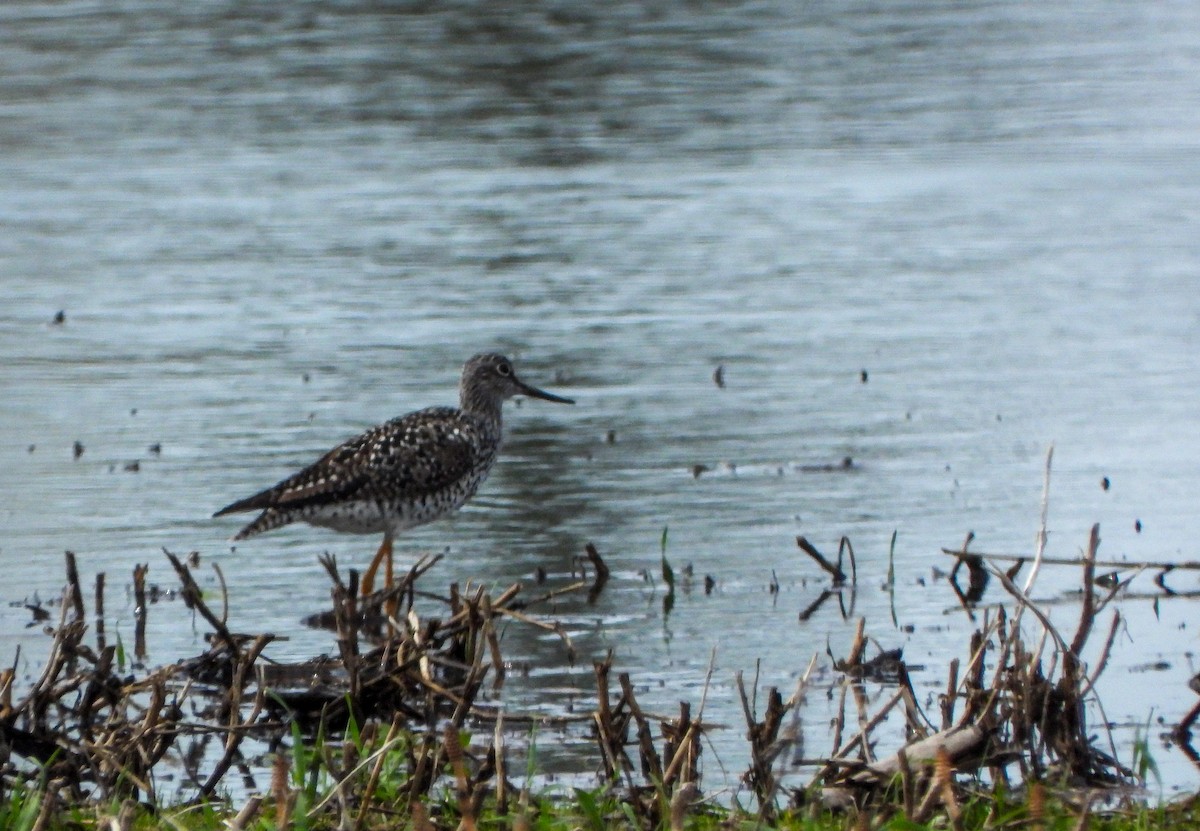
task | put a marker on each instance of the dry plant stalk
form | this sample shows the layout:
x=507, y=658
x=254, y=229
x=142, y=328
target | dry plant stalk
x=103, y=736
x=1028, y=709
x=99, y=734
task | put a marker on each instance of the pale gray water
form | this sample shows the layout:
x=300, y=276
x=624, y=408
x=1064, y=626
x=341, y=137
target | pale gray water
x=993, y=210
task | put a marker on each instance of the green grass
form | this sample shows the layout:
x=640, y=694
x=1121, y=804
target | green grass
x=310, y=787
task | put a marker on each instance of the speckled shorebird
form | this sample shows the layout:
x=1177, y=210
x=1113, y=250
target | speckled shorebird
x=406, y=472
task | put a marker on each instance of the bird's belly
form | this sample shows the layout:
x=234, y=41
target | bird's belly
x=370, y=517
x=348, y=517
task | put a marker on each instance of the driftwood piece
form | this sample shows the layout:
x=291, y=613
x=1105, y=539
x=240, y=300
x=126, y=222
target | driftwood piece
x=962, y=745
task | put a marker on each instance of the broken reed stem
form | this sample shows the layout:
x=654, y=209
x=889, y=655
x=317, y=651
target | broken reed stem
x=462, y=782
x=907, y=786
x=1023, y=602
x=1104, y=653
x=501, y=772
x=682, y=745
x=139, y=609
x=651, y=763
x=839, y=725
x=680, y=802
x=224, y=593
x=602, y=572
x=1043, y=534
x=233, y=738
x=193, y=598
x=247, y=814
x=859, y=645
x=950, y=696
x=603, y=717
x=280, y=792
x=846, y=546
x=1087, y=610
x=99, y=616
x=834, y=571
x=74, y=591
x=860, y=738
x=380, y=757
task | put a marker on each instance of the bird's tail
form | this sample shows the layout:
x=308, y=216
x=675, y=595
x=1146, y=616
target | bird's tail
x=251, y=503
x=269, y=519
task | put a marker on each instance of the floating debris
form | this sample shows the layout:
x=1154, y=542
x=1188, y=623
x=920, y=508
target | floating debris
x=718, y=376
x=1151, y=666
x=887, y=667
x=60, y=317
x=77, y=450
x=862, y=376
x=1105, y=484
x=40, y=614
x=847, y=463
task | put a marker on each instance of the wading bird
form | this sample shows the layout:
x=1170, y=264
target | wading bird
x=406, y=472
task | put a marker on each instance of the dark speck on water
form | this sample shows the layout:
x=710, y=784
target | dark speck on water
x=1104, y=483
x=77, y=450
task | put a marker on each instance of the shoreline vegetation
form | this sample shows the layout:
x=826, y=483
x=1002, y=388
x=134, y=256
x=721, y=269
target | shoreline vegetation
x=391, y=732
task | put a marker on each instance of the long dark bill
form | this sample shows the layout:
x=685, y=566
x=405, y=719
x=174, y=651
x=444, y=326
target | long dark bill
x=534, y=392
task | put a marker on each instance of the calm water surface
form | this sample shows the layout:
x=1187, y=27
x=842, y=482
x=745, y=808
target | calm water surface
x=273, y=225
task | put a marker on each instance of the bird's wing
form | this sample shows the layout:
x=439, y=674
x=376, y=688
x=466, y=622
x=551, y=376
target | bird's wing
x=418, y=453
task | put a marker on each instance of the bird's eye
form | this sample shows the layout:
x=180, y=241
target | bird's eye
x=504, y=369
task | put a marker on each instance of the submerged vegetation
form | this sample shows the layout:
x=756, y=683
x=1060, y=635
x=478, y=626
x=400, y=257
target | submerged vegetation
x=393, y=731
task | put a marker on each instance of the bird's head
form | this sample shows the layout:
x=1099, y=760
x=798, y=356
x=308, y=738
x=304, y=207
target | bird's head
x=488, y=379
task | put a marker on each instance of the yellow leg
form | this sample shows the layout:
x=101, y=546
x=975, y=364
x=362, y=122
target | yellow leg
x=384, y=553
